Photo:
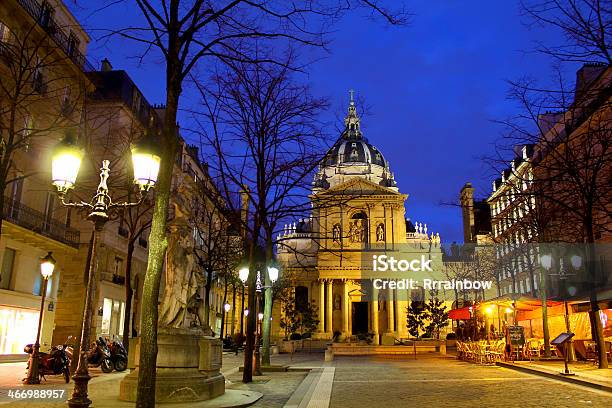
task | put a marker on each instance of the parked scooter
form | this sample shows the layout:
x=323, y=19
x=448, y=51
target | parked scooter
x=56, y=362
x=118, y=354
x=98, y=356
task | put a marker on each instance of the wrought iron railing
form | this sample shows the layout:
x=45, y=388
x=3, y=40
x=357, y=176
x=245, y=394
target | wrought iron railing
x=37, y=222
x=46, y=21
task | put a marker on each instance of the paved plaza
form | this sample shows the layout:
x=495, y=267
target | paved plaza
x=436, y=382
x=355, y=382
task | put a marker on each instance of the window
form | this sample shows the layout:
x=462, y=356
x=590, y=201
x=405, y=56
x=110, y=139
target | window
x=46, y=12
x=15, y=198
x=73, y=45
x=8, y=263
x=112, y=317
x=5, y=33
x=37, y=289
x=118, y=266
x=301, y=298
x=28, y=125
x=49, y=208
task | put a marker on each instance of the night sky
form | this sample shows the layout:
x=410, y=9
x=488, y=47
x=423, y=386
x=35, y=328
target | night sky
x=433, y=89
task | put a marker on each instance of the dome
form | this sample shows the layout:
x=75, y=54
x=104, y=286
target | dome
x=352, y=155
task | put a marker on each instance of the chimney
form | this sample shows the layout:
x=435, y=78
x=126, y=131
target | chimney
x=106, y=65
x=467, y=212
x=585, y=77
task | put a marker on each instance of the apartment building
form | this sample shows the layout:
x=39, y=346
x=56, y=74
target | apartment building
x=43, y=76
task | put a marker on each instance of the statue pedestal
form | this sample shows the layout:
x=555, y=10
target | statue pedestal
x=188, y=365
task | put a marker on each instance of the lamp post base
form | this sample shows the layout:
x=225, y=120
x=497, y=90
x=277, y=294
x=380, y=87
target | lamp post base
x=33, y=377
x=79, y=395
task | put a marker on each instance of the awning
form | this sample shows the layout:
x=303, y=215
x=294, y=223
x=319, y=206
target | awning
x=460, y=314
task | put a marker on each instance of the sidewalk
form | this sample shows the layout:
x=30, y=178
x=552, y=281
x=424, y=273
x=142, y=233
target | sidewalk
x=586, y=373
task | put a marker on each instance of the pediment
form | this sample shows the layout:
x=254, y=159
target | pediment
x=358, y=186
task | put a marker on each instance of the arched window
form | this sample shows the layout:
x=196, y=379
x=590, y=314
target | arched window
x=358, y=229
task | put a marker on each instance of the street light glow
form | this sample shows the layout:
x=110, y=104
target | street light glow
x=546, y=261
x=273, y=273
x=227, y=307
x=47, y=265
x=243, y=274
x=65, y=163
x=576, y=261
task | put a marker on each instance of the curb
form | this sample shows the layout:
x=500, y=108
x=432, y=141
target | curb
x=560, y=377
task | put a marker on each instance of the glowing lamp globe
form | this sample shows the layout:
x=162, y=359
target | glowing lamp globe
x=576, y=261
x=243, y=274
x=273, y=273
x=146, y=163
x=508, y=310
x=489, y=310
x=47, y=265
x=546, y=261
x=65, y=163
x=260, y=316
x=227, y=307
x=246, y=312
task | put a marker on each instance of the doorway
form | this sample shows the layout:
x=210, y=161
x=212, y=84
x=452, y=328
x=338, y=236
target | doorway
x=360, y=317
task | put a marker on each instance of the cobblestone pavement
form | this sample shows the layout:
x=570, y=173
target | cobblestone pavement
x=377, y=382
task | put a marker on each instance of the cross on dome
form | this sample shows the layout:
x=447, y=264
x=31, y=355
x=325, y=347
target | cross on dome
x=351, y=122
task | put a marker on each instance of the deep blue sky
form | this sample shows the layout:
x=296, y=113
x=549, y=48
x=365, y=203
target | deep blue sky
x=433, y=89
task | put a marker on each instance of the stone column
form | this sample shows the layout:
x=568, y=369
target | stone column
x=345, y=309
x=375, y=314
x=321, y=328
x=329, y=308
x=390, y=312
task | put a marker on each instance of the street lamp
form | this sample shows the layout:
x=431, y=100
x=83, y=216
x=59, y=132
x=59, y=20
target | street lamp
x=243, y=274
x=47, y=265
x=66, y=161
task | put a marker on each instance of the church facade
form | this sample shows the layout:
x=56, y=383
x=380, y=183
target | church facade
x=358, y=213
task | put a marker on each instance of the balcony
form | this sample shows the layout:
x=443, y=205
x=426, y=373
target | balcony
x=35, y=221
x=47, y=23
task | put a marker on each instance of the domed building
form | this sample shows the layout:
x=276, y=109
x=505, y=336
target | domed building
x=357, y=212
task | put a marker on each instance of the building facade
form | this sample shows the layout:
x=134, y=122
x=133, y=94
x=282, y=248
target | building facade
x=42, y=69
x=358, y=211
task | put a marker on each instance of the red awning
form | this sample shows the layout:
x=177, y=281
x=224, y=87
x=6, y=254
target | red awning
x=460, y=314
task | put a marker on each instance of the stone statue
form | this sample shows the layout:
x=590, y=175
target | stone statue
x=182, y=280
x=357, y=232
x=336, y=234
x=380, y=233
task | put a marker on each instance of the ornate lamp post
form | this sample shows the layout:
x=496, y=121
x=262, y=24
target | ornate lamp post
x=243, y=274
x=47, y=265
x=66, y=161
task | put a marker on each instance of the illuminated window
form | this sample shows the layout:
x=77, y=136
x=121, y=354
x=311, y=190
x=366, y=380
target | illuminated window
x=8, y=262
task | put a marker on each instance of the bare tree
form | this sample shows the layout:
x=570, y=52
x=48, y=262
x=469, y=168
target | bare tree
x=571, y=162
x=585, y=24
x=41, y=95
x=185, y=32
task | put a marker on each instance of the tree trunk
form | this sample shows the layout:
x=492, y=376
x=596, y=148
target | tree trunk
x=129, y=293
x=265, y=356
x=544, y=314
x=233, y=309
x=247, y=374
x=158, y=242
x=207, y=286
x=223, y=312
x=596, y=325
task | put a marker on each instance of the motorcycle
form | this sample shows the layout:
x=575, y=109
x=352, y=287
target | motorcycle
x=56, y=362
x=118, y=354
x=98, y=356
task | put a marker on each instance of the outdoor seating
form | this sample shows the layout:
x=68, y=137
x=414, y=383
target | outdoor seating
x=481, y=352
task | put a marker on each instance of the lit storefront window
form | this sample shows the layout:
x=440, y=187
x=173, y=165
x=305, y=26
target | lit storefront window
x=112, y=317
x=17, y=328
